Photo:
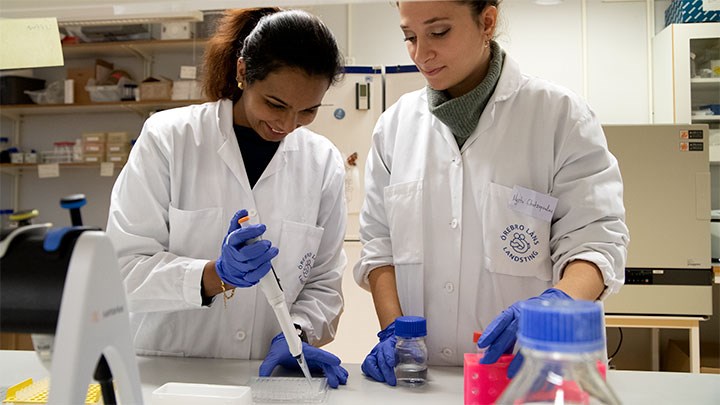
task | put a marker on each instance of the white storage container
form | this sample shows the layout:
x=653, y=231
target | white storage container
x=174, y=393
x=101, y=94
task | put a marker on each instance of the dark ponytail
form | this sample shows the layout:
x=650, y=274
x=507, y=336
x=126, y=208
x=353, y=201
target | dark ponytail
x=268, y=39
x=223, y=49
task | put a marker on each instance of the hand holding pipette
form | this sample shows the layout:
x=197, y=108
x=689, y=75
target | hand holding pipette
x=242, y=263
x=254, y=262
x=317, y=360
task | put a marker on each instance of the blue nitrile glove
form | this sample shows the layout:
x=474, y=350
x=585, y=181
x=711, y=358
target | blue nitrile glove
x=317, y=360
x=500, y=336
x=240, y=264
x=380, y=363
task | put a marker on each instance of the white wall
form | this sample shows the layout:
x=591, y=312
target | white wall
x=617, y=62
x=547, y=41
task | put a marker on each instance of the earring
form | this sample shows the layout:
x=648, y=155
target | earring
x=241, y=85
x=487, y=43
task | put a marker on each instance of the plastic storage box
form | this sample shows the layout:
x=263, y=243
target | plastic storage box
x=12, y=89
x=175, y=393
x=690, y=11
x=102, y=94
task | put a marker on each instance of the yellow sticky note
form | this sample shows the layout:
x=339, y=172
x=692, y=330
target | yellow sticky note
x=29, y=42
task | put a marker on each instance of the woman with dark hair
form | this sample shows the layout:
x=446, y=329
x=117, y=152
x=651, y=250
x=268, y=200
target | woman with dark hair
x=185, y=273
x=485, y=189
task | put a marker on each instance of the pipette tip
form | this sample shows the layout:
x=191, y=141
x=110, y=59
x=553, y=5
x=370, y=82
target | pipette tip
x=303, y=366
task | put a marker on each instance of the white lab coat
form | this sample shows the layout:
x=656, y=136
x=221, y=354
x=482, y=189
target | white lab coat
x=439, y=213
x=170, y=210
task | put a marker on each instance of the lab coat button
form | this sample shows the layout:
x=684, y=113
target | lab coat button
x=240, y=335
x=447, y=352
x=449, y=287
x=454, y=223
x=252, y=213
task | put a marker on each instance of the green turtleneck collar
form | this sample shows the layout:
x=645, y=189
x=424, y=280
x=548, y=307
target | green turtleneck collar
x=462, y=114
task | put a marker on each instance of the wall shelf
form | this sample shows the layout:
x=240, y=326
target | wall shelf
x=17, y=168
x=705, y=118
x=703, y=83
x=140, y=107
x=131, y=48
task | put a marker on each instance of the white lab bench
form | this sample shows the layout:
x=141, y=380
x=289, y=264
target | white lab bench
x=445, y=385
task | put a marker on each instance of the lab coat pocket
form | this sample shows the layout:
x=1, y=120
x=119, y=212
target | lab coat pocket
x=516, y=244
x=404, y=210
x=185, y=227
x=298, y=247
x=404, y=207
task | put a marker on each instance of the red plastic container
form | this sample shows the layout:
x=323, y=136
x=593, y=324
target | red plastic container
x=484, y=382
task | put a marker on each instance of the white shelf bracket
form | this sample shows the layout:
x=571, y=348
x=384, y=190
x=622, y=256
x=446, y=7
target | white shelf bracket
x=147, y=59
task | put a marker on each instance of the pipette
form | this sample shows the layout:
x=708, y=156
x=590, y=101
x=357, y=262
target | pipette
x=270, y=286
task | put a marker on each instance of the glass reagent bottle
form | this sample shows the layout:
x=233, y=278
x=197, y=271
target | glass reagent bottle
x=562, y=342
x=410, y=351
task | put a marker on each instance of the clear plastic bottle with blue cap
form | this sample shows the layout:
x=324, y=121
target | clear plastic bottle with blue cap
x=561, y=342
x=410, y=351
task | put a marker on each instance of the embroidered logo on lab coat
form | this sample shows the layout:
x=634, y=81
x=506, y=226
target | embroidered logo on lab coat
x=305, y=265
x=519, y=242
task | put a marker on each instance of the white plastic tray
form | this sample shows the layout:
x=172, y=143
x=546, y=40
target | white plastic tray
x=174, y=393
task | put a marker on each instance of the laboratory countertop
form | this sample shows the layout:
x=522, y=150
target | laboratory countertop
x=445, y=383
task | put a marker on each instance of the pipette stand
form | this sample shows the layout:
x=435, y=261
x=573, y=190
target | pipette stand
x=93, y=320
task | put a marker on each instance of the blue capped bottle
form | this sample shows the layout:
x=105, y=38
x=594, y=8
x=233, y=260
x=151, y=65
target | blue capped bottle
x=410, y=351
x=562, y=342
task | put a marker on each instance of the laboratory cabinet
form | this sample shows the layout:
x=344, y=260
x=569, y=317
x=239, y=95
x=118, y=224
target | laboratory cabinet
x=686, y=78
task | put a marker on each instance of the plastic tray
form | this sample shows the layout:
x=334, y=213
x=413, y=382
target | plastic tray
x=175, y=393
x=32, y=393
x=104, y=94
x=288, y=390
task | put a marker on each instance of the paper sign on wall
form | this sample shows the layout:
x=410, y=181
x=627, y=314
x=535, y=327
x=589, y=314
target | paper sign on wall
x=29, y=42
x=48, y=170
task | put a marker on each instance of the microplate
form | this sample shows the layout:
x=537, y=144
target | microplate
x=288, y=390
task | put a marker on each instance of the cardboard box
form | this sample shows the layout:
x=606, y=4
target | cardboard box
x=118, y=137
x=80, y=77
x=92, y=158
x=123, y=147
x=187, y=90
x=90, y=148
x=93, y=137
x=677, y=358
x=103, y=69
x=690, y=11
x=156, y=89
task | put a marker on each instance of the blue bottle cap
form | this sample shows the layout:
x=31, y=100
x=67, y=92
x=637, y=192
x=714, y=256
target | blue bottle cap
x=410, y=326
x=561, y=326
